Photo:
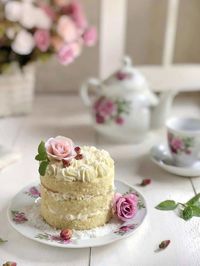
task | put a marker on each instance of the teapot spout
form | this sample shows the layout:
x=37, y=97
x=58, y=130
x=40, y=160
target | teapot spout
x=162, y=110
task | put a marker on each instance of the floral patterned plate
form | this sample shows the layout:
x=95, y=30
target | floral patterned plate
x=161, y=157
x=24, y=216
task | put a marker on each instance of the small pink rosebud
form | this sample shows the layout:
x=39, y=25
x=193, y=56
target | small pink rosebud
x=79, y=156
x=66, y=163
x=9, y=263
x=66, y=234
x=164, y=244
x=77, y=150
x=145, y=182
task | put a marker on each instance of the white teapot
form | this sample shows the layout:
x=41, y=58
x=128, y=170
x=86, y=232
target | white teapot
x=124, y=107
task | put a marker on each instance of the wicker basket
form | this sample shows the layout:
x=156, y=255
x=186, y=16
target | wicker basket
x=17, y=91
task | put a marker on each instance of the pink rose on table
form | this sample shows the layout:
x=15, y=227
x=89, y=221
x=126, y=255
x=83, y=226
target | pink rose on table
x=60, y=148
x=42, y=40
x=125, y=207
x=90, y=36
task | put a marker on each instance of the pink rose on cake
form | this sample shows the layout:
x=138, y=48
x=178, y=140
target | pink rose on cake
x=60, y=148
x=125, y=206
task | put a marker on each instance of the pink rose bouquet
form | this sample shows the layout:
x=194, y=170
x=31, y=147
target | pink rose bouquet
x=35, y=29
x=125, y=206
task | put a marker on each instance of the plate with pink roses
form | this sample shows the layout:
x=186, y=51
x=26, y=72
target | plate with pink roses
x=129, y=212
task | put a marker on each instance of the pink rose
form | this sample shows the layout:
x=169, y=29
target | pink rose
x=66, y=54
x=60, y=148
x=125, y=206
x=42, y=40
x=104, y=107
x=90, y=36
x=67, y=29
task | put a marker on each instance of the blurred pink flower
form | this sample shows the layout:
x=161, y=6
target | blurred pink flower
x=104, y=107
x=42, y=40
x=176, y=144
x=67, y=29
x=48, y=10
x=90, y=36
x=119, y=120
x=77, y=14
x=66, y=54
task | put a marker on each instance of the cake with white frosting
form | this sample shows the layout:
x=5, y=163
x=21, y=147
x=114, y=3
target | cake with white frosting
x=77, y=186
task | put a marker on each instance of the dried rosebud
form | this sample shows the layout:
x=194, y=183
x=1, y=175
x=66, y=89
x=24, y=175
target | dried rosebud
x=66, y=163
x=66, y=234
x=9, y=263
x=164, y=244
x=77, y=150
x=145, y=182
x=79, y=156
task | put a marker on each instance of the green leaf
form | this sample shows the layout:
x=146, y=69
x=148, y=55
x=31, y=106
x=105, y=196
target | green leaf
x=167, y=205
x=195, y=211
x=2, y=241
x=195, y=201
x=43, y=167
x=41, y=148
x=41, y=157
x=187, y=213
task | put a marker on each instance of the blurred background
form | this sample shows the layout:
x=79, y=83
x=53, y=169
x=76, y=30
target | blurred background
x=144, y=41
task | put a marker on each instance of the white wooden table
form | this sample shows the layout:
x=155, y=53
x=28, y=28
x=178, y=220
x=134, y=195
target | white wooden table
x=65, y=115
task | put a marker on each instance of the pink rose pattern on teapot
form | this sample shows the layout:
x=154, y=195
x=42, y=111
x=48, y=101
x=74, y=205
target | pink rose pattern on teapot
x=107, y=110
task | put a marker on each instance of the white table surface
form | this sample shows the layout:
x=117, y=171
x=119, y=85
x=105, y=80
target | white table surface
x=65, y=115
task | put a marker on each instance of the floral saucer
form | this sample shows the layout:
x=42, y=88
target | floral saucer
x=24, y=217
x=161, y=157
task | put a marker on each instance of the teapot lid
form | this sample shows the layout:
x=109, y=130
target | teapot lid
x=128, y=75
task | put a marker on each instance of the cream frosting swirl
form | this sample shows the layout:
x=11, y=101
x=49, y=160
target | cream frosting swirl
x=95, y=164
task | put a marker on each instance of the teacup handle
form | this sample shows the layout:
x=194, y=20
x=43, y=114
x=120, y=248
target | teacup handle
x=84, y=90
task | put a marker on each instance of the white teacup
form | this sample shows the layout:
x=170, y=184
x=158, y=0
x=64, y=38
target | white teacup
x=184, y=140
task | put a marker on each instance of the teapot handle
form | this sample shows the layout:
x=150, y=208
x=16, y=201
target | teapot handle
x=84, y=93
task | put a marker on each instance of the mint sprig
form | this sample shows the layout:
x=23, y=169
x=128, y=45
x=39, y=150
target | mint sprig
x=42, y=158
x=167, y=205
x=188, y=210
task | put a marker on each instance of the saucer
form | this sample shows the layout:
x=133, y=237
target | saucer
x=24, y=217
x=161, y=157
